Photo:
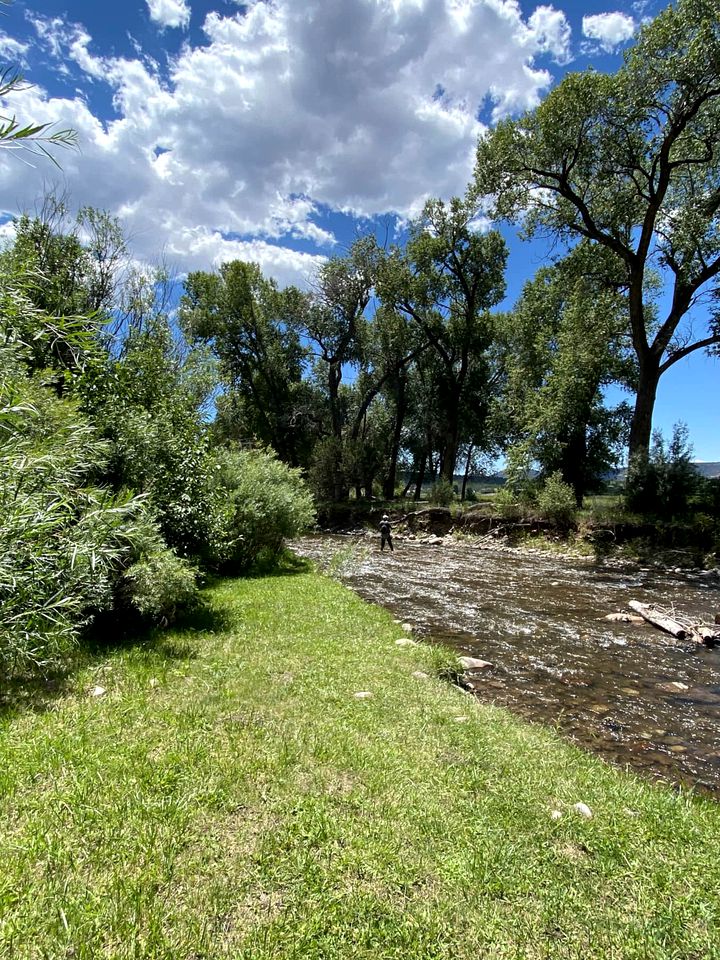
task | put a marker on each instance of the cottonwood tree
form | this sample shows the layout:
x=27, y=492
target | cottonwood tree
x=630, y=163
x=563, y=344
x=446, y=280
x=249, y=325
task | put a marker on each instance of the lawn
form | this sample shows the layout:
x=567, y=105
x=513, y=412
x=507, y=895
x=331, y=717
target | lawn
x=229, y=795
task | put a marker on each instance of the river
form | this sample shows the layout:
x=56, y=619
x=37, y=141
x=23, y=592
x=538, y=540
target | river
x=634, y=695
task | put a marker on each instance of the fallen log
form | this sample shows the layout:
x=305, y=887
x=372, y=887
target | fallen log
x=710, y=635
x=677, y=625
x=660, y=620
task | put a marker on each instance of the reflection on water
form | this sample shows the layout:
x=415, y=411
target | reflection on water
x=628, y=691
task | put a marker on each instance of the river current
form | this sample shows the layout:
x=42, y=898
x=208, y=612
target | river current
x=633, y=694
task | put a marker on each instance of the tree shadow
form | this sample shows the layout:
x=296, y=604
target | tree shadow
x=38, y=693
x=288, y=564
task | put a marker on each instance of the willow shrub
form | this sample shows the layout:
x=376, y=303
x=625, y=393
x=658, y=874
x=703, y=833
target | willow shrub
x=262, y=501
x=556, y=501
x=65, y=542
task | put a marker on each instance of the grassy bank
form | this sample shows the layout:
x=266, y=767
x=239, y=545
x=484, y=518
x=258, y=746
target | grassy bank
x=229, y=796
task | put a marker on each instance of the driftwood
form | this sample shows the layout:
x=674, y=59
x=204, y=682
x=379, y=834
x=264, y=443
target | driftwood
x=676, y=624
x=658, y=619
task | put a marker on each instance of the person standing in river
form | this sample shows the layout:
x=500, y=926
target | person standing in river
x=385, y=533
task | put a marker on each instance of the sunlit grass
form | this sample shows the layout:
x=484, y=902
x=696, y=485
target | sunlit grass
x=230, y=797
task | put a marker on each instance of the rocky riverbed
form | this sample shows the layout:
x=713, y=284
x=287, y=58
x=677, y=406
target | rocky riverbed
x=627, y=691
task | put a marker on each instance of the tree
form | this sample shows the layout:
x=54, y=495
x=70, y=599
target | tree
x=446, y=280
x=249, y=324
x=557, y=366
x=630, y=163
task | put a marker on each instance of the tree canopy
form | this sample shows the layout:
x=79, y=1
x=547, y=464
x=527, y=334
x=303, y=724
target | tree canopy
x=630, y=162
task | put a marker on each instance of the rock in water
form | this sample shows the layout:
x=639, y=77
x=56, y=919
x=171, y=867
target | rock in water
x=474, y=663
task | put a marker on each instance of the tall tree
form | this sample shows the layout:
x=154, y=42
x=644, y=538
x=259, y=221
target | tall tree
x=558, y=364
x=446, y=280
x=248, y=323
x=631, y=163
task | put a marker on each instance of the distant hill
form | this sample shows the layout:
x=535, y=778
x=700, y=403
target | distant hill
x=709, y=468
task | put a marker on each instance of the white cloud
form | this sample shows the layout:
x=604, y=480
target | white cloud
x=11, y=49
x=169, y=13
x=289, y=110
x=609, y=29
x=551, y=31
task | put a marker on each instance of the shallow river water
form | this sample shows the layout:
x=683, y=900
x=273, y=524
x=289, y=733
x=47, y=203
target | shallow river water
x=629, y=692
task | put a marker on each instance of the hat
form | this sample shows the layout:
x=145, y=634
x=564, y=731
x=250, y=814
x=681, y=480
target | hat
x=385, y=517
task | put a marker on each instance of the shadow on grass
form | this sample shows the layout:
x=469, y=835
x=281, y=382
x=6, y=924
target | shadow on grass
x=288, y=564
x=115, y=632
x=38, y=693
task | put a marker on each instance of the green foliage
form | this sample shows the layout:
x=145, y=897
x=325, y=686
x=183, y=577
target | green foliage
x=34, y=137
x=264, y=502
x=446, y=281
x=441, y=493
x=631, y=164
x=326, y=474
x=147, y=404
x=557, y=364
x=159, y=585
x=63, y=540
x=507, y=504
x=663, y=484
x=249, y=324
x=556, y=500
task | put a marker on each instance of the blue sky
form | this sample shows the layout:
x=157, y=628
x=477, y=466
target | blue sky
x=276, y=131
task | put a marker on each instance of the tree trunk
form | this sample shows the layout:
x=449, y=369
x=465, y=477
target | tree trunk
x=574, y=463
x=641, y=426
x=420, y=478
x=452, y=438
x=334, y=379
x=400, y=404
x=467, y=473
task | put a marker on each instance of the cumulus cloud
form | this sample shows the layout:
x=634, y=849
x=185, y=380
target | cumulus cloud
x=289, y=110
x=169, y=13
x=11, y=49
x=608, y=29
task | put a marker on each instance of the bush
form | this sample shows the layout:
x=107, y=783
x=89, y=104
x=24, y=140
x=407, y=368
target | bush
x=506, y=504
x=556, y=501
x=265, y=501
x=663, y=483
x=441, y=493
x=63, y=540
x=159, y=585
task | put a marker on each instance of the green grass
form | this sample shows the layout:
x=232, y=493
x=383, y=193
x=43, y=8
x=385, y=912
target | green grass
x=230, y=797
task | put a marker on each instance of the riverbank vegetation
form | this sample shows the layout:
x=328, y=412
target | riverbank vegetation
x=151, y=436
x=279, y=778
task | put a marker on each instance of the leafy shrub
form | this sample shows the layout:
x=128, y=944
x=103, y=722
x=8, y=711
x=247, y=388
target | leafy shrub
x=265, y=502
x=663, y=483
x=147, y=404
x=63, y=540
x=441, y=493
x=161, y=584
x=326, y=474
x=506, y=503
x=556, y=500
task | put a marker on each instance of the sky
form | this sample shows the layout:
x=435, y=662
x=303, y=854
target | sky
x=278, y=130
